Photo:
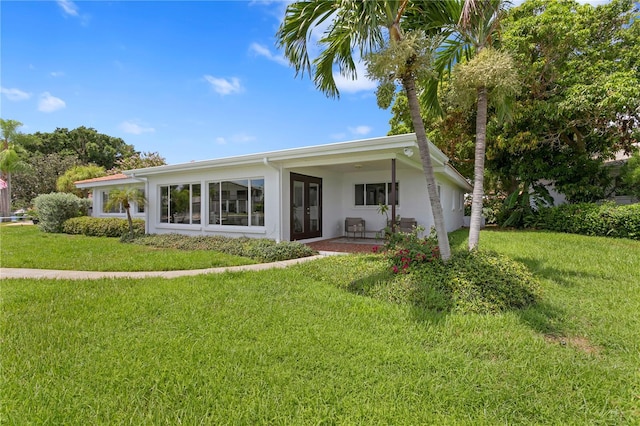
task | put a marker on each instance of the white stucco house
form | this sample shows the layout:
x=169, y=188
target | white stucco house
x=294, y=194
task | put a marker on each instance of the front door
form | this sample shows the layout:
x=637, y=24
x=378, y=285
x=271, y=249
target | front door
x=306, y=207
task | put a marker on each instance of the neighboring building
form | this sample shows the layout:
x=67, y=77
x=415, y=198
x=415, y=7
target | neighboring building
x=294, y=194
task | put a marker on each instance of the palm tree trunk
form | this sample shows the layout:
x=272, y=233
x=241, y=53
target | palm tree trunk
x=478, y=170
x=427, y=166
x=130, y=220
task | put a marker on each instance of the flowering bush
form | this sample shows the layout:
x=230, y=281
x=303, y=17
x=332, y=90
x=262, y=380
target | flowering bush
x=405, y=250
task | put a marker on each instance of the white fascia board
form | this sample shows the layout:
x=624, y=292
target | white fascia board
x=113, y=182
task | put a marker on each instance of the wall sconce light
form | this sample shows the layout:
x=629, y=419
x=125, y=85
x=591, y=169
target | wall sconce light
x=408, y=152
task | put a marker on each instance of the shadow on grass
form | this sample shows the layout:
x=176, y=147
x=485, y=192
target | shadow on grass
x=469, y=285
x=563, y=277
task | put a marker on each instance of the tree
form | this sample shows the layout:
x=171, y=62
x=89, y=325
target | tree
x=66, y=182
x=10, y=161
x=125, y=197
x=138, y=161
x=475, y=37
x=580, y=66
x=361, y=25
x=85, y=143
x=40, y=176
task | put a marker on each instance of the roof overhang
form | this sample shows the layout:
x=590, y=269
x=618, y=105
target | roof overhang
x=402, y=147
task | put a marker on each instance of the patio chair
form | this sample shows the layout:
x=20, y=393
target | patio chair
x=407, y=224
x=355, y=225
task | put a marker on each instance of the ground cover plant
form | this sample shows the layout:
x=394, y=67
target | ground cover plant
x=259, y=249
x=28, y=247
x=302, y=346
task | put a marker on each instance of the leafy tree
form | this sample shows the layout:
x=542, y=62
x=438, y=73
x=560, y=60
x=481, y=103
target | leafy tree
x=10, y=161
x=581, y=68
x=66, y=182
x=138, y=161
x=40, y=176
x=375, y=29
x=85, y=143
x=125, y=197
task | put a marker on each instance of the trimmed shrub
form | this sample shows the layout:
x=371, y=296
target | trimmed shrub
x=476, y=282
x=55, y=208
x=262, y=250
x=101, y=226
x=607, y=220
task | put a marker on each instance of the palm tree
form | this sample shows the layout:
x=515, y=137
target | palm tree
x=125, y=196
x=361, y=25
x=9, y=162
x=473, y=34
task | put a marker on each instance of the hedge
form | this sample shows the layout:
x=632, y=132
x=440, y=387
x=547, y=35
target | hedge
x=608, y=219
x=101, y=226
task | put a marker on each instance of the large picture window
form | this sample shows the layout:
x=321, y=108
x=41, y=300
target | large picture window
x=374, y=194
x=237, y=202
x=180, y=203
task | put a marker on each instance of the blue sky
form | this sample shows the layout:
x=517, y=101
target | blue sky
x=190, y=80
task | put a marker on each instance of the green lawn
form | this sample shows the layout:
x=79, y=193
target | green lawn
x=28, y=247
x=295, y=347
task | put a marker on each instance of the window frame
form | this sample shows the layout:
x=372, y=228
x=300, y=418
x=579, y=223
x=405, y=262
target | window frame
x=251, y=205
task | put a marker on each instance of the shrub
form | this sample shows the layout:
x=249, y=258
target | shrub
x=101, y=226
x=608, y=219
x=262, y=250
x=405, y=250
x=53, y=209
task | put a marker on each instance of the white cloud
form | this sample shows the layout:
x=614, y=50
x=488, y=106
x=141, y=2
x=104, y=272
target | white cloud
x=338, y=136
x=69, y=7
x=360, y=130
x=242, y=138
x=224, y=86
x=15, y=94
x=360, y=84
x=221, y=141
x=57, y=74
x=49, y=103
x=135, y=128
x=261, y=50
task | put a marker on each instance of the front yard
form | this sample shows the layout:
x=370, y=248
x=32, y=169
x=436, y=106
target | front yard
x=295, y=346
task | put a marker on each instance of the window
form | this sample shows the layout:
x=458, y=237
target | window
x=230, y=204
x=180, y=203
x=134, y=208
x=113, y=210
x=373, y=194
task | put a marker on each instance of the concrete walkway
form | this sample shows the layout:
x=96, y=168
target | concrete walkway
x=93, y=275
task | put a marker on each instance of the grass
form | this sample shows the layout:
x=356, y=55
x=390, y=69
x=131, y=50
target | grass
x=28, y=247
x=295, y=346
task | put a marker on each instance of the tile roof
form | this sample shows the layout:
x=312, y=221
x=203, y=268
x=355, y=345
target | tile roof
x=104, y=178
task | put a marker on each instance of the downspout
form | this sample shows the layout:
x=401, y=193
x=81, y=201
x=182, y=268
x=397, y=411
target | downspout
x=267, y=163
x=146, y=194
x=393, y=195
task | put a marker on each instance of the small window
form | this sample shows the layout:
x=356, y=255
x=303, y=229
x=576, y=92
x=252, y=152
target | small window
x=374, y=194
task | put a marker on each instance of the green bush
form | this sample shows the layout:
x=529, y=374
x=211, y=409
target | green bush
x=608, y=219
x=55, y=208
x=262, y=250
x=101, y=226
x=470, y=282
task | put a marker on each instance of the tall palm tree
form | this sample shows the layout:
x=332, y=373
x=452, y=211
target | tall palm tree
x=360, y=25
x=475, y=28
x=125, y=196
x=10, y=162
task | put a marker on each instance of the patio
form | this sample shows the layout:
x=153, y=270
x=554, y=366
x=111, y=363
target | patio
x=347, y=245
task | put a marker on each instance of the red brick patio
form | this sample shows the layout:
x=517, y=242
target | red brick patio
x=344, y=245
